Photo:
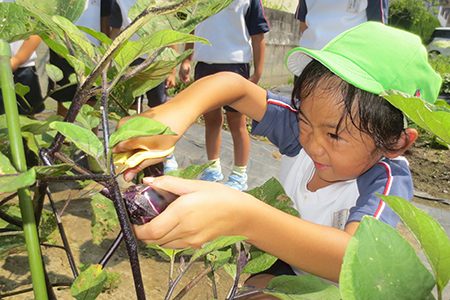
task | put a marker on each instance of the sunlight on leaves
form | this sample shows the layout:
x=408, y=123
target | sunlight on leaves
x=218, y=243
x=89, y=284
x=12, y=182
x=429, y=233
x=136, y=127
x=433, y=118
x=83, y=138
x=105, y=218
x=379, y=264
x=301, y=287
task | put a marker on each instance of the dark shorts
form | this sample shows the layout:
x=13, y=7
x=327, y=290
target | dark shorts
x=277, y=269
x=33, y=104
x=203, y=69
x=66, y=94
x=158, y=94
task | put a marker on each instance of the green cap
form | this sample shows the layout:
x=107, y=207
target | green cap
x=375, y=58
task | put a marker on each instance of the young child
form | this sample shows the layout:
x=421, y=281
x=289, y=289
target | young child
x=236, y=35
x=341, y=143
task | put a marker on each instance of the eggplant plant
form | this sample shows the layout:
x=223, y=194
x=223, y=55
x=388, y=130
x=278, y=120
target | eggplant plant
x=104, y=71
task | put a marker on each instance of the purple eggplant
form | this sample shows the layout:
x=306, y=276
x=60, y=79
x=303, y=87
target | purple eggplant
x=144, y=202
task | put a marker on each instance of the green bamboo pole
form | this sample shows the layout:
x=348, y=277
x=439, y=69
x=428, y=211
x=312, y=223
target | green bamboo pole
x=19, y=162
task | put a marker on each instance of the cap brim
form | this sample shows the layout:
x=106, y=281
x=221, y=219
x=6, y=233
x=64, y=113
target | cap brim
x=344, y=67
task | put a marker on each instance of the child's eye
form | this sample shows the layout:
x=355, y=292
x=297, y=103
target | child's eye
x=334, y=136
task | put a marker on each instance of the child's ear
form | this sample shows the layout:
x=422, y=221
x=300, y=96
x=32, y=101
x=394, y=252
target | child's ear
x=408, y=137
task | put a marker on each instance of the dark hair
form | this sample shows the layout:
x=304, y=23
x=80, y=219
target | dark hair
x=374, y=116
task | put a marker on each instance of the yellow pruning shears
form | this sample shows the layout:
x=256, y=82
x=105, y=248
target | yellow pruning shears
x=123, y=161
x=131, y=159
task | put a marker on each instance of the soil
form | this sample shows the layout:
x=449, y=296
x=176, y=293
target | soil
x=431, y=173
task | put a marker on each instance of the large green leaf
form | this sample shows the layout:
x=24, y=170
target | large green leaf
x=185, y=20
x=69, y=9
x=156, y=73
x=433, y=118
x=301, y=287
x=16, y=243
x=77, y=36
x=380, y=264
x=13, y=182
x=6, y=166
x=218, y=243
x=149, y=44
x=272, y=193
x=139, y=126
x=83, y=138
x=259, y=262
x=429, y=233
x=53, y=170
x=190, y=172
x=89, y=284
x=15, y=23
x=105, y=217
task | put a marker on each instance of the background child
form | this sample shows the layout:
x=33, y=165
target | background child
x=234, y=33
x=341, y=143
x=23, y=58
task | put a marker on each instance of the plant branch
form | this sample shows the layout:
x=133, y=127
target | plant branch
x=191, y=284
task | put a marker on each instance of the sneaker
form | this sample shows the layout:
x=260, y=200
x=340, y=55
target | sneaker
x=237, y=181
x=170, y=164
x=211, y=175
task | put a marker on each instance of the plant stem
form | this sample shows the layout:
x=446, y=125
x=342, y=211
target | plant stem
x=111, y=249
x=130, y=240
x=192, y=283
x=62, y=232
x=19, y=161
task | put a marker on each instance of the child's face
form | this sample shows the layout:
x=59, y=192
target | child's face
x=337, y=157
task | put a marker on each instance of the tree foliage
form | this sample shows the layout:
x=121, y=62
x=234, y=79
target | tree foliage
x=412, y=16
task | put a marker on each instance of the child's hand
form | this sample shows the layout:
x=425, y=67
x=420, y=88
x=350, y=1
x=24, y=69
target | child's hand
x=203, y=212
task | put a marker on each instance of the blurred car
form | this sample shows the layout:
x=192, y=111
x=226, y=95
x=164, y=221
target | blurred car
x=435, y=45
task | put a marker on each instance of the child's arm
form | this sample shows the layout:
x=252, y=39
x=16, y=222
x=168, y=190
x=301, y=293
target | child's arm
x=207, y=210
x=170, y=80
x=179, y=113
x=185, y=66
x=25, y=52
x=259, y=51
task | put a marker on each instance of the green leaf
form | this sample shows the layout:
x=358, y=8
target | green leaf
x=380, y=264
x=31, y=142
x=272, y=193
x=219, y=258
x=13, y=182
x=54, y=170
x=98, y=35
x=190, y=172
x=15, y=23
x=167, y=254
x=21, y=89
x=429, y=233
x=433, y=118
x=185, y=20
x=301, y=287
x=83, y=138
x=89, y=284
x=87, y=118
x=136, y=127
x=105, y=217
x=13, y=244
x=259, y=262
x=77, y=65
x=218, y=243
x=54, y=72
x=6, y=166
x=69, y=9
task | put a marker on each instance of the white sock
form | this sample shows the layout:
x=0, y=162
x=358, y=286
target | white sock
x=215, y=165
x=240, y=170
